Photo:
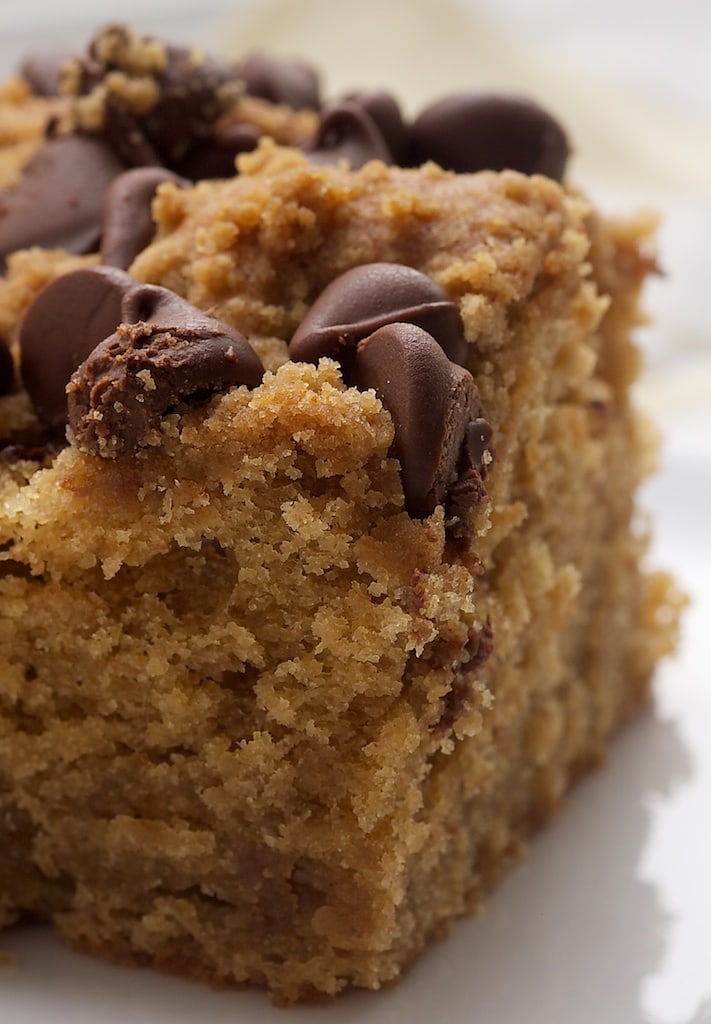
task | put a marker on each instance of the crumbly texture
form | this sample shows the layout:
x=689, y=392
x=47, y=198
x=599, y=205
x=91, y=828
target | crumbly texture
x=257, y=725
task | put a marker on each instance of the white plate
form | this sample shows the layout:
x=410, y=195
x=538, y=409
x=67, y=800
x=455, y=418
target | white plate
x=608, y=921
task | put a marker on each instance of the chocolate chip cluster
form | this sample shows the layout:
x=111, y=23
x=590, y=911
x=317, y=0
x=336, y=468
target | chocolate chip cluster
x=395, y=330
x=135, y=350
x=464, y=132
x=109, y=356
x=134, y=103
x=139, y=103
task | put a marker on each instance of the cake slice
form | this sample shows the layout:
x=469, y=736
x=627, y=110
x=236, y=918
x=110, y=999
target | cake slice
x=293, y=661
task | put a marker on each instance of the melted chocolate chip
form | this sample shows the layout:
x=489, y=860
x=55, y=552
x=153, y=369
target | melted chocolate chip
x=477, y=450
x=468, y=132
x=58, y=202
x=65, y=322
x=468, y=491
x=431, y=401
x=190, y=93
x=291, y=82
x=7, y=367
x=128, y=223
x=348, y=132
x=164, y=351
x=385, y=111
x=122, y=132
x=215, y=157
x=365, y=298
x=193, y=95
x=42, y=70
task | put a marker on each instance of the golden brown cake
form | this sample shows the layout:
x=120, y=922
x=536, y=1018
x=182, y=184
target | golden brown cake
x=269, y=713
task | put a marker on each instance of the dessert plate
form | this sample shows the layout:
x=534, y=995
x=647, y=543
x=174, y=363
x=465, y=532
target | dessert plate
x=609, y=917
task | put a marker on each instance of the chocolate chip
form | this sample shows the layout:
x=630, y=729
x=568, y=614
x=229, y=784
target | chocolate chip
x=368, y=297
x=215, y=156
x=42, y=70
x=348, y=132
x=164, y=351
x=65, y=322
x=193, y=95
x=476, y=455
x=128, y=223
x=477, y=443
x=172, y=96
x=470, y=131
x=431, y=401
x=58, y=202
x=7, y=367
x=385, y=112
x=122, y=131
x=291, y=82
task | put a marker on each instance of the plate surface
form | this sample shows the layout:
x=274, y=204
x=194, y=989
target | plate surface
x=608, y=919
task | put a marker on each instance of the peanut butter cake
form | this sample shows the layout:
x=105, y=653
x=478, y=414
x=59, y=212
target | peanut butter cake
x=320, y=576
